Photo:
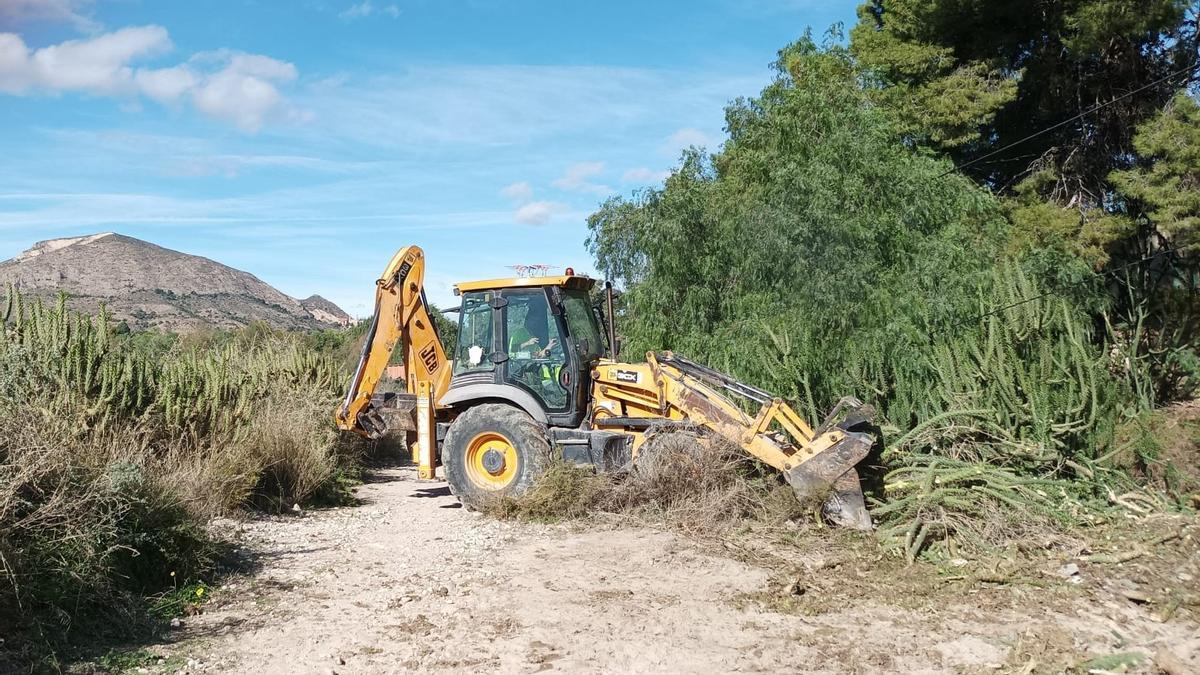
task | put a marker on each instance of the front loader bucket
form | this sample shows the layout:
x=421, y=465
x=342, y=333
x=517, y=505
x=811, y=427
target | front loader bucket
x=830, y=475
x=818, y=463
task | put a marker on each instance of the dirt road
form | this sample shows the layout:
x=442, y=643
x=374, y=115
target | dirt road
x=409, y=582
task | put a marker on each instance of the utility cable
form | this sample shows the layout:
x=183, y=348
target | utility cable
x=1096, y=275
x=1089, y=111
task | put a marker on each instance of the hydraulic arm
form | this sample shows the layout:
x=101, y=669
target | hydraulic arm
x=401, y=317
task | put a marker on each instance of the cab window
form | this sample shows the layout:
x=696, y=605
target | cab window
x=474, y=349
x=582, y=326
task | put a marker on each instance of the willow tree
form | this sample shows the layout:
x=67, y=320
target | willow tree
x=812, y=253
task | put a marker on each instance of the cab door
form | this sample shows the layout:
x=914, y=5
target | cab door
x=534, y=342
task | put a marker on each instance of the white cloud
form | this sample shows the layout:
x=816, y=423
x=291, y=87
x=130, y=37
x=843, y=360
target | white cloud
x=577, y=175
x=232, y=86
x=538, y=213
x=166, y=85
x=366, y=8
x=14, y=64
x=643, y=175
x=99, y=65
x=686, y=138
x=520, y=192
x=17, y=12
x=244, y=91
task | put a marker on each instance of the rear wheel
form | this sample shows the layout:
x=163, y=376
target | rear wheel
x=673, y=456
x=493, y=450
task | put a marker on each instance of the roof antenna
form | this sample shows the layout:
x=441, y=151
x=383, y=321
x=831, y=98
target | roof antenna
x=532, y=270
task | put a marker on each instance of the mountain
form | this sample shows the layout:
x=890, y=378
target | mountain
x=325, y=311
x=149, y=286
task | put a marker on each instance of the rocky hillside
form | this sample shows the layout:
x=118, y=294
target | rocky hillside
x=148, y=286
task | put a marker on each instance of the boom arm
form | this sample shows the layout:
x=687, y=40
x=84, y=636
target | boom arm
x=818, y=463
x=401, y=316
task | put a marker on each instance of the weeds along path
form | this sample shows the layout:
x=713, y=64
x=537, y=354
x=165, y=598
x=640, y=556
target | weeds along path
x=407, y=581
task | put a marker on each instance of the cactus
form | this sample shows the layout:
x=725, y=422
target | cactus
x=203, y=393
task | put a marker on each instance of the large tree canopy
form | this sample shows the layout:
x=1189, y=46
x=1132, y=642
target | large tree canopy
x=968, y=76
x=811, y=236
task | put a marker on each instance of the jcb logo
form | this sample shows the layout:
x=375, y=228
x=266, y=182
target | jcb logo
x=429, y=356
x=402, y=273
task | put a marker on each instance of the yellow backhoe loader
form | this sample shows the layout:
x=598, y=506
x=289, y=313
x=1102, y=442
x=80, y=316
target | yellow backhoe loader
x=536, y=378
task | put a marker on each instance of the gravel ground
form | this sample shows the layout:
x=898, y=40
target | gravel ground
x=408, y=581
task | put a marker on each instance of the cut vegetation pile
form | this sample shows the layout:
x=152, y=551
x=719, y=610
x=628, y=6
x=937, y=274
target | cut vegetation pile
x=115, y=449
x=698, y=485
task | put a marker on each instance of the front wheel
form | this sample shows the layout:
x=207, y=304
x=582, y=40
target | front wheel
x=493, y=450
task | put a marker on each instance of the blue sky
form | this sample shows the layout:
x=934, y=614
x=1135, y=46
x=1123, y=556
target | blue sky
x=305, y=141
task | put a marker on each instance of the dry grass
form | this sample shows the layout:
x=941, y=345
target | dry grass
x=87, y=529
x=93, y=522
x=702, y=487
x=710, y=490
x=288, y=454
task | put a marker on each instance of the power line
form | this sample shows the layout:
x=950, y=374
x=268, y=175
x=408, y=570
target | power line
x=1097, y=275
x=1089, y=111
x=1046, y=130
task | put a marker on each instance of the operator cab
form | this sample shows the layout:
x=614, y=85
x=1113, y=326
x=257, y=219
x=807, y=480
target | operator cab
x=531, y=341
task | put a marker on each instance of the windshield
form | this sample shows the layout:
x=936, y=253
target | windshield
x=536, y=357
x=581, y=323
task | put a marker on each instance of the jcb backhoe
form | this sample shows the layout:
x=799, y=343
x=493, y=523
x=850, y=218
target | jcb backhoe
x=536, y=378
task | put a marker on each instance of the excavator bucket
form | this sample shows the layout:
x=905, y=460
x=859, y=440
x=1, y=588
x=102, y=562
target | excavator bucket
x=831, y=475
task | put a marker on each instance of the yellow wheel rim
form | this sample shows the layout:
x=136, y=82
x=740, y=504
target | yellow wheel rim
x=491, y=461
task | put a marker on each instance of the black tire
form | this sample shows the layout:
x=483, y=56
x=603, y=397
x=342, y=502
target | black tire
x=526, y=435
x=668, y=450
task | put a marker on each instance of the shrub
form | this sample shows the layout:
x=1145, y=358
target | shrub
x=114, y=451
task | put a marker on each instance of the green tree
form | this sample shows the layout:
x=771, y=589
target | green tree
x=813, y=253
x=817, y=254
x=969, y=77
x=1166, y=184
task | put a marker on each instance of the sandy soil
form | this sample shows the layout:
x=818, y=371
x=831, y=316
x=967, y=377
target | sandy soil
x=409, y=582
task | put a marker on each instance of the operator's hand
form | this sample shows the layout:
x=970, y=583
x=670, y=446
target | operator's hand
x=543, y=353
x=531, y=342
